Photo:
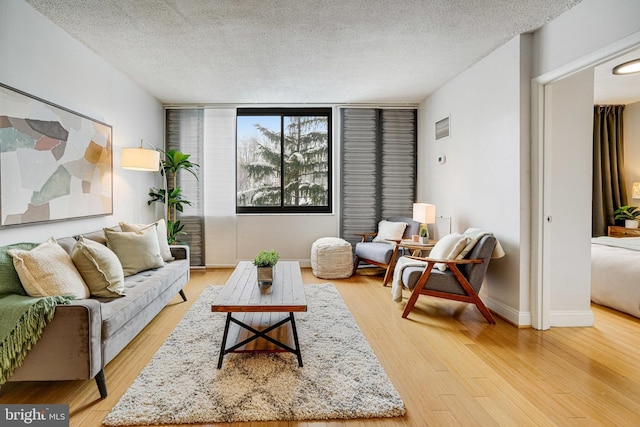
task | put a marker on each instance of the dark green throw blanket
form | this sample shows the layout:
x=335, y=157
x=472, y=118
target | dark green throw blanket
x=22, y=318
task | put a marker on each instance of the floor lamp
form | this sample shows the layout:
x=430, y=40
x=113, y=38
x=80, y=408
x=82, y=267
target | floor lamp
x=146, y=160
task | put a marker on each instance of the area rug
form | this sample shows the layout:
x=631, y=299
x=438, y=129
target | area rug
x=341, y=377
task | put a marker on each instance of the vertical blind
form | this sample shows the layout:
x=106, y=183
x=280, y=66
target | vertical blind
x=378, y=167
x=185, y=132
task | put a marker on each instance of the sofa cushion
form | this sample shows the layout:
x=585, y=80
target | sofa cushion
x=47, y=270
x=141, y=289
x=9, y=280
x=100, y=268
x=161, y=230
x=137, y=250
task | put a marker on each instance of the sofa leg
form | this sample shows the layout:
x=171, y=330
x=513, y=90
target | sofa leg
x=102, y=384
x=184, y=297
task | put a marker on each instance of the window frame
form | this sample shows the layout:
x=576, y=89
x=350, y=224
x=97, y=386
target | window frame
x=282, y=113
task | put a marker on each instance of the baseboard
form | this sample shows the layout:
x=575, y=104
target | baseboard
x=569, y=318
x=517, y=318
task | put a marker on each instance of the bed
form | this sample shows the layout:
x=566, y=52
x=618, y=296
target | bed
x=615, y=273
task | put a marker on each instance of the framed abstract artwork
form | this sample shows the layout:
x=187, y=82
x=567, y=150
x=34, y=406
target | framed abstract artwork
x=55, y=164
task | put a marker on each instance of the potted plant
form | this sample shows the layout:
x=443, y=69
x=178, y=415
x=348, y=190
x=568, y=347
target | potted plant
x=629, y=214
x=424, y=235
x=265, y=260
x=173, y=162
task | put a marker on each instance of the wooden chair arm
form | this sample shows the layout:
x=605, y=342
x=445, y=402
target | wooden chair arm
x=364, y=236
x=448, y=261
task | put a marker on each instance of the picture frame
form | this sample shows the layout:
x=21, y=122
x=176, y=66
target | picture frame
x=55, y=164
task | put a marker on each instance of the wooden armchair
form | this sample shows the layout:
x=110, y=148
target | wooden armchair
x=382, y=252
x=461, y=281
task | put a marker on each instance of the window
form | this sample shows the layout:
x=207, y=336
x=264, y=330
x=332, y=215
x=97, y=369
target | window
x=283, y=160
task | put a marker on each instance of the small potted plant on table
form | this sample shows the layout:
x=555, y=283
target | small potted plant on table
x=265, y=260
x=629, y=214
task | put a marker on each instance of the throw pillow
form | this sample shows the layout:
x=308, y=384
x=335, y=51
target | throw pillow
x=137, y=250
x=99, y=267
x=161, y=229
x=448, y=248
x=388, y=230
x=47, y=270
x=9, y=280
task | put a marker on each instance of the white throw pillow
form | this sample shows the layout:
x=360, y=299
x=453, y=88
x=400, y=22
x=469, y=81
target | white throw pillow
x=100, y=268
x=47, y=270
x=161, y=229
x=388, y=230
x=448, y=248
x=137, y=250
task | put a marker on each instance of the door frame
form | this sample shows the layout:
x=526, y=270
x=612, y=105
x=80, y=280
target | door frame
x=541, y=143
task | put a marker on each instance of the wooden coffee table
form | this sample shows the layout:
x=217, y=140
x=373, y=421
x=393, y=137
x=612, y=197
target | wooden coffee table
x=261, y=312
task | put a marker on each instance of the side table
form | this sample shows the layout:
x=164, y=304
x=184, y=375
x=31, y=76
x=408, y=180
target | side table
x=415, y=248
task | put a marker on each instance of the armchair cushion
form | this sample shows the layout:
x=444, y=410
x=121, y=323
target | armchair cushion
x=375, y=251
x=388, y=230
x=442, y=281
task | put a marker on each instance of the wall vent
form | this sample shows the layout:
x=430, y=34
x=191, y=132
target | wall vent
x=443, y=129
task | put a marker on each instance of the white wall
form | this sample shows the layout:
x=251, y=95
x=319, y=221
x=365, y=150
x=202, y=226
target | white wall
x=631, y=129
x=484, y=182
x=583, y=32
x=39, y=58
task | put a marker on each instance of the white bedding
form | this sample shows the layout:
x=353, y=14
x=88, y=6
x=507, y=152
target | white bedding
x=615, y=274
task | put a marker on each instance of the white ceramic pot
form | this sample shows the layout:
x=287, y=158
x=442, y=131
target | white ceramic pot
x=630, y=223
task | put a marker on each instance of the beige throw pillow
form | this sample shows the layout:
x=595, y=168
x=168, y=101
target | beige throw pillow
x=161, y=229
x=47, y=270
x=448, y=248
x=388, y=230
x=137, y=250
x=100, y=268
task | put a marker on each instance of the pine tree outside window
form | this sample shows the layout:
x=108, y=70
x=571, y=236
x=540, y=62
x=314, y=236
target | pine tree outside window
x=283, y=160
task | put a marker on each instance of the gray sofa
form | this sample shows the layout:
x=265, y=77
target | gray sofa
x=87, y=334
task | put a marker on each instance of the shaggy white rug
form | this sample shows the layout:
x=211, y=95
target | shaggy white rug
x=341, y=377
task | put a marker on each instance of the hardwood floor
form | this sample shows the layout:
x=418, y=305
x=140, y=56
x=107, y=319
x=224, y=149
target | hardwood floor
x=450, y=366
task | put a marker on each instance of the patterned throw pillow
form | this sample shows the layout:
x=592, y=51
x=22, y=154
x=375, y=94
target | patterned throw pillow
x=47, y=270
x=100, y=268
x=137, y=250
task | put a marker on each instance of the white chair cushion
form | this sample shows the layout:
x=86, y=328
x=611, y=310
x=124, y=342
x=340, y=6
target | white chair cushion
x=448, y=248
x=388, y=230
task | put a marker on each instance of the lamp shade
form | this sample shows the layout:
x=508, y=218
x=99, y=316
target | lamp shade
x=424, y=213
x=140, y=159
x=635, y=190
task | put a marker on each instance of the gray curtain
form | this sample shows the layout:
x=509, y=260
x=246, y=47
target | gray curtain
x=378, y=167
x=185, y=132
x=609, y=184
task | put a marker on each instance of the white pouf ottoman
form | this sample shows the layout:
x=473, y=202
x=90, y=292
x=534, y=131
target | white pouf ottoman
x=331, y=258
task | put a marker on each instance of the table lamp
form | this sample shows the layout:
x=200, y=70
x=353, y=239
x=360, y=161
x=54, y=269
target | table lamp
x=425, y=214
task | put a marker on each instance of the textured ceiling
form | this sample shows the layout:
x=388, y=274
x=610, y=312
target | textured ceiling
x=295, y=51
